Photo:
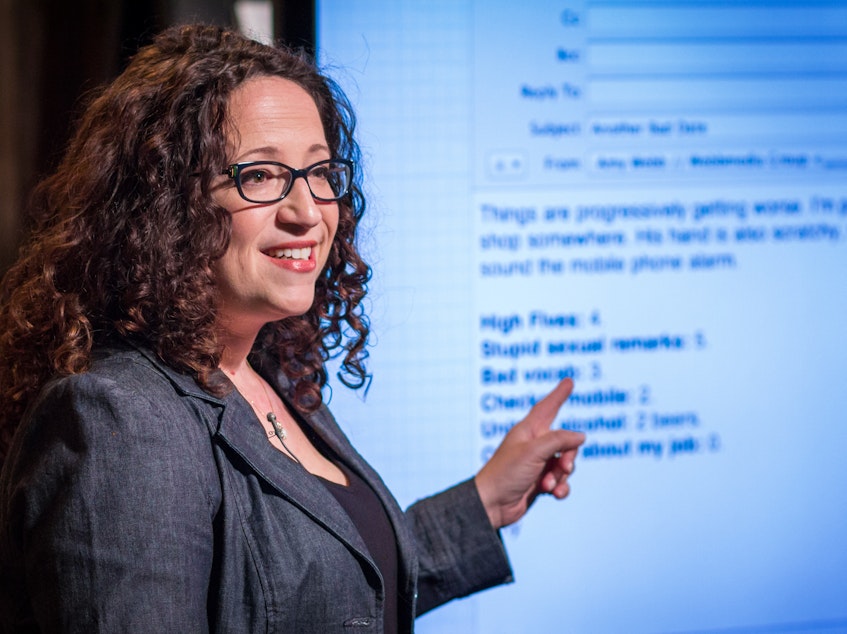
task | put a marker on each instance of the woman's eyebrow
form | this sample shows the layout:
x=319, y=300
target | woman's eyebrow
x=266, y=150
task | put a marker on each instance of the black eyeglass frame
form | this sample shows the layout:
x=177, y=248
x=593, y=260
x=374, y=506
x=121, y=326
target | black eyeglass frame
x=234, y=172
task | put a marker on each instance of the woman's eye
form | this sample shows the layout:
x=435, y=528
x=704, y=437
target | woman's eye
x=254, y=177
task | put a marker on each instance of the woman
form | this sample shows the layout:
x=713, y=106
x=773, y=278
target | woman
x=169, y=464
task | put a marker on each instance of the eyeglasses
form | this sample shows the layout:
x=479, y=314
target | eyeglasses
x=268, y=181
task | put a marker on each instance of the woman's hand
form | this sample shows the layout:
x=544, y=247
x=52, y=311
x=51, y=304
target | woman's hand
x=532, y=459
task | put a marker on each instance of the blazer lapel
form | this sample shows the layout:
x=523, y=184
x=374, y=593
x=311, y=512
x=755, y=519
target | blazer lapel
x=230, y=420
x=288, y=478
x=323, y=424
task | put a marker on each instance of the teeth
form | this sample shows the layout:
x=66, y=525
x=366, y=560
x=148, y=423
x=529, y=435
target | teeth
x=292, y=254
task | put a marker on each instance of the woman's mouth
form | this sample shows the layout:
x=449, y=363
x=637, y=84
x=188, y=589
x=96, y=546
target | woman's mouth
x=303, y=253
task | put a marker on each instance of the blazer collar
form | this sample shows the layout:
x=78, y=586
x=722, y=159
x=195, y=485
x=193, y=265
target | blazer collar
x=226, y=421
x=324, y=425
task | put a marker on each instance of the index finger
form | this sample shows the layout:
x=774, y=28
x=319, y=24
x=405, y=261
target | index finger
x=544, y=411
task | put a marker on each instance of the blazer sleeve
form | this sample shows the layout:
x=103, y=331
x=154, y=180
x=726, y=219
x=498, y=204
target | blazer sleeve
x=459, y=551
x=106, y=505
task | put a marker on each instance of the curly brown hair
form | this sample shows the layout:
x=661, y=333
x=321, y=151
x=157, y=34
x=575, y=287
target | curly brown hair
x=126, y=231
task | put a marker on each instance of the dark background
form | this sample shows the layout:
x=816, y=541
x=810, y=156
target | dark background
x=52, y=51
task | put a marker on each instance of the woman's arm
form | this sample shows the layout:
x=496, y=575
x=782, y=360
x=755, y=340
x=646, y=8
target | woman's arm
x=459, y=552
x=106, y=505
x=456, y=531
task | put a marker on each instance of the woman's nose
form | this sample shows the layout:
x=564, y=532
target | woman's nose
x=299, y=206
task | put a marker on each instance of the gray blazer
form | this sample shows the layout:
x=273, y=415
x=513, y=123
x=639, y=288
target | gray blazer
x=133, y=501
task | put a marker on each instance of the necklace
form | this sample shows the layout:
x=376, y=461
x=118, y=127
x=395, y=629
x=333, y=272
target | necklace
x=279, y=430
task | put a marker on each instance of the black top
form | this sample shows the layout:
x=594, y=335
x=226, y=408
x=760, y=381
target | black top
x=370, y=518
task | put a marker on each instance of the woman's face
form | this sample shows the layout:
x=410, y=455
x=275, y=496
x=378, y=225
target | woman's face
x=276, y=250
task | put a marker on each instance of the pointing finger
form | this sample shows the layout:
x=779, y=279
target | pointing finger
x=542, y=414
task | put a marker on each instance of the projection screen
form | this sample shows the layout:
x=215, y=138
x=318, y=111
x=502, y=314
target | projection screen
x=650, y=198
